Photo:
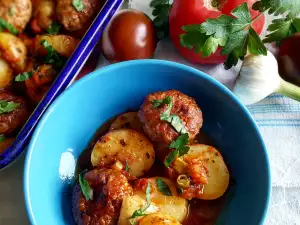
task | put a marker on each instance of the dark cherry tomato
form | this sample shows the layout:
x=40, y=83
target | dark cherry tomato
x=289, y=59
x=130, y=35
x=185, y=12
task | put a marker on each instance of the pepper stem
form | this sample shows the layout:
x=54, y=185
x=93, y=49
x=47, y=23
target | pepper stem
x=289, y=90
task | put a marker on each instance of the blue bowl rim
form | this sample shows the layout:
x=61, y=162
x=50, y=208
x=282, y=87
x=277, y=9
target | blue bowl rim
x=120, y=65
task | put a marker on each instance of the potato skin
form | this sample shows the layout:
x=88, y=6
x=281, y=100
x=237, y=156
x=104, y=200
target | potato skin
x=16, y=12
x=109, y=189
x=207, y=170
x=127, y=120
x=65, y=45
x=71, y=19
x=10, y=122
x=13, y=51
x=6, y=73
x=183, y=106
x=126, y=146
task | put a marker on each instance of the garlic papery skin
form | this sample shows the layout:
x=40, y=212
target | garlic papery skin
x=257, y=79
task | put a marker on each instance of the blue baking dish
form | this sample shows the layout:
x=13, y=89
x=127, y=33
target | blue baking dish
x=65, y=78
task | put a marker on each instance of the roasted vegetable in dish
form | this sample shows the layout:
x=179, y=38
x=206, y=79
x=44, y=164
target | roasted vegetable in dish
x=36, y=39
x=127, y=184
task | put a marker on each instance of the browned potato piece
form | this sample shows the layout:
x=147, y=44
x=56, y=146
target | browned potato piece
x=174, y=205
x=13, y=51
x=126, y=146
x=63, y=44
x=216, y=171
x=74, y=20
x=16, y=12
x=6, y=73
x=45, y=13
x=127, y=120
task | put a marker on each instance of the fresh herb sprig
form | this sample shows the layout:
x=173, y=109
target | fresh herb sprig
x=8, y=106
x=78, y=5
x=174, y=119
x=23, y=76
x=163, y=187
x=161, y=10
x=2, y=137
x=54, y=28
x=85, y=187
x=141, y=211
x=236, y=35
x=53, y=57
x=180, y=148
x=8, y=26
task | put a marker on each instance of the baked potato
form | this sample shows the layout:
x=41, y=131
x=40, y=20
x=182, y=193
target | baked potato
x=174, y=205
x=127, y=120
x=127, y=146
x=217, y=179
x=14, y=51
x=158, y=219
x=6, y=73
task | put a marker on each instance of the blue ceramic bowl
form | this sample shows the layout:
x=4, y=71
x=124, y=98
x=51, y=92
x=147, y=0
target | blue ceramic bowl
x=69, y=124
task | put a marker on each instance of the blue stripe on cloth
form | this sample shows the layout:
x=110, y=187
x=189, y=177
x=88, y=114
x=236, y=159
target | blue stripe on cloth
x=278, y=125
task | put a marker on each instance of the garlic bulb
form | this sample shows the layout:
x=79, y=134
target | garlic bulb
x=259, y=78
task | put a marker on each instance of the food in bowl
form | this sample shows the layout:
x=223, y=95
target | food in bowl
x=36, y=39
x=123, y=182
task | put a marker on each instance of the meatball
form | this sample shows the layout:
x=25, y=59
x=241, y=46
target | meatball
x=16, y=12
x=109, y=188
x=74, y=20
x=11, y=121
x=161, y=131
x=43, y=15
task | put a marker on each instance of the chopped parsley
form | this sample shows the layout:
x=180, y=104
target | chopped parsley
x=8, y=26
x=53, y=57
x=8, y=106
x=85, y=188
x=78, y=5
x=163, y=187
x=54, y=28
x=23, y=76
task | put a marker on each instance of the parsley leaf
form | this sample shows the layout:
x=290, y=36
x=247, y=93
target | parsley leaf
x=234, y=34
x=23, y=76
x=161, y=9
x=78, y=5
x=2, y=137
x=163, y=187
x=53, y=57
x=180, y=191
x=8, y=26
x=6, y=107
x=127, y=167
x=282, y=28
x=159, y=102
x=180, y=149
x=174, y=120
x=278, y=7
x=54, y=28
x=85, y=188
x=141, y=211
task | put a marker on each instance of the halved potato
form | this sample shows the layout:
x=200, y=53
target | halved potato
x=14, y=51
x=174, y=205
x=65, y=45
x=131, y=204
x=6, y=73
x=126, y=146
x=218, y=175
x=158, y=219
x=127, y=120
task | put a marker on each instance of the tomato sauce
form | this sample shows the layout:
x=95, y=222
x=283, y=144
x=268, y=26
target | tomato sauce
x=201, y=212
